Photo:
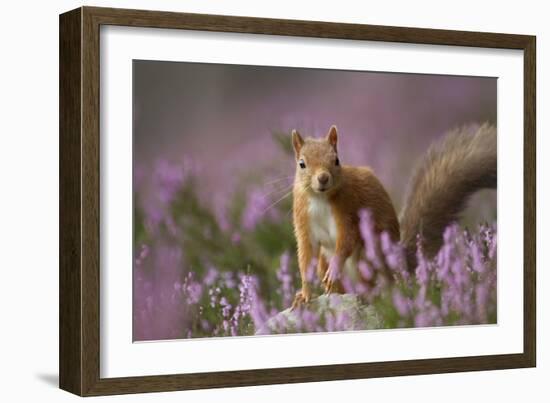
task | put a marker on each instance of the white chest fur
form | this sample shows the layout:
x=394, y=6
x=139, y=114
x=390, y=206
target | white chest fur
x=322, y=225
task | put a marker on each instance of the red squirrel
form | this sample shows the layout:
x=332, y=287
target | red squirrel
x=327, y=197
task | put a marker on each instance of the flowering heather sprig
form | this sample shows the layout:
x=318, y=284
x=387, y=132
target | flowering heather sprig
x=228, y=279
x=246, y=288
x=259, y=312
x=193, y=289
x=214, y=294
x=183, y=295
x=370, y=239
x=258, y=207
x=311, y=272
x=423, y=269
x=156, y=193
x=211, y=276
x=168, y=179
x=286, y=289
x=402, y=304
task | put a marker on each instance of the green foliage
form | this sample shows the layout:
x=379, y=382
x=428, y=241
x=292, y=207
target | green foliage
x=205, y=244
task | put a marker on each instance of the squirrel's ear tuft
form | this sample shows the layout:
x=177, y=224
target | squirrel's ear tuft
x=297, y=142
x=332, y=136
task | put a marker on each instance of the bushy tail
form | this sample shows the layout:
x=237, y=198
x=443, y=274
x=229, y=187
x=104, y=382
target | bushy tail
x=452, y=170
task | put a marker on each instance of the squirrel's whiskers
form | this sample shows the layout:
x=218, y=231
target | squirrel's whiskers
x=278, y=180
x=276, y=202
x=279, y=190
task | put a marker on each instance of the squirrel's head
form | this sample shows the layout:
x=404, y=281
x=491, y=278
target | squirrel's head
x=318, y=168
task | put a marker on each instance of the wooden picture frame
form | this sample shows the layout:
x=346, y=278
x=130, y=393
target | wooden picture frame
x=79, y=349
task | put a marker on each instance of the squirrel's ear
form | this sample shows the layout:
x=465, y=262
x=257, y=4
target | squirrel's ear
x=332, y=136
x=297, y=142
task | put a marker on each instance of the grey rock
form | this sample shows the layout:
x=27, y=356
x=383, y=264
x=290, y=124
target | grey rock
x=326, y=313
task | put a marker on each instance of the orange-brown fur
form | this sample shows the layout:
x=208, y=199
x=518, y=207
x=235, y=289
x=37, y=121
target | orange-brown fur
x=351, y=189
x=463, y=162
x=451, y=171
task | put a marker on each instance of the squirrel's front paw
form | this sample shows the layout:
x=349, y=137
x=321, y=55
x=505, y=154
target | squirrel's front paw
x=302, y=297
x=331, y=280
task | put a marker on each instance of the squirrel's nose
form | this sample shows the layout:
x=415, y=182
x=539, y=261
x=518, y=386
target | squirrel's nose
x=323, y=178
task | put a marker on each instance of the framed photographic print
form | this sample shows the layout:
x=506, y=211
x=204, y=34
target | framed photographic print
x=249, y=201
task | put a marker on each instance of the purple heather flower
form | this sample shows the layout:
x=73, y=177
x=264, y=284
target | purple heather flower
x=194, y=292
x=458, y=286
x=349, y=285
x=285, y=278
x=246, y=289
x=366, y=227
x=228, y=279
x=214, y=294
x=168, y=179
x=402, y=304
x=226, y=308
x=366, y=271
x=235, y=237
x=422, y=319
x=258, y=311
x=477, y=260
x=422, y=269
x=258, y=207
x=311, y=275
x=394, y=254
x=211, y=276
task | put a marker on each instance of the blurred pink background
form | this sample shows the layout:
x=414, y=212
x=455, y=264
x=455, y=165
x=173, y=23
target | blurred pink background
x=222, y=117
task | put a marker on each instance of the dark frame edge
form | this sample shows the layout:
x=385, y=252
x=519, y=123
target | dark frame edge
x=304, y=28
x=70, y=280
x=530, y=199
x=79, y=202
x=90, y=202
x=256, y=377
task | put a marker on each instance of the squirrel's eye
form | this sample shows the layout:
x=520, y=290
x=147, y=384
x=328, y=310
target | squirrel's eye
x=302, y=164
x=337, y=162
